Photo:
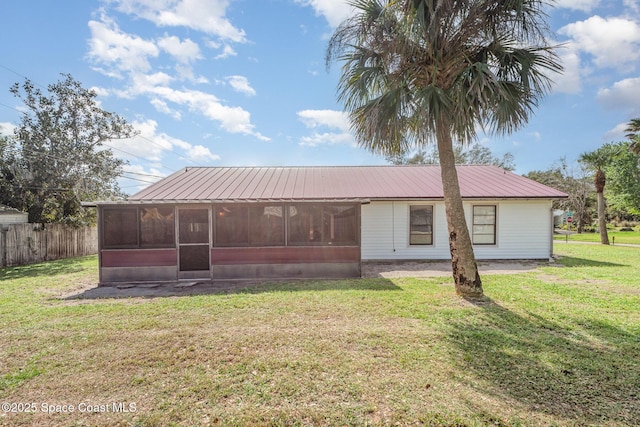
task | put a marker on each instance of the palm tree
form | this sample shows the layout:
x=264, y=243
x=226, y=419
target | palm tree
x=419, y=71
x=633, y=129
x=597, y=161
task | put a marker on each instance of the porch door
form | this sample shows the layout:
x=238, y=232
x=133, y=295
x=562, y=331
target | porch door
x=193, y=240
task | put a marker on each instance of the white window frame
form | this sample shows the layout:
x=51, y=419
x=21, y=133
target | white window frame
x=409, y=231
x=474, y=224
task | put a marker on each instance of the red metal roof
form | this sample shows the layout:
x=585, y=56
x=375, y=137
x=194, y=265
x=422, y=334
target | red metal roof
x=338, y=183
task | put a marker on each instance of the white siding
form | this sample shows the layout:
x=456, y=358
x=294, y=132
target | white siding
x=385, y=232
x=14, y=218
x=523, y=231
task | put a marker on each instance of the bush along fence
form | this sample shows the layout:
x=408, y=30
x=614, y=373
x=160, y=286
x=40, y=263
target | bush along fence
x=22, y=244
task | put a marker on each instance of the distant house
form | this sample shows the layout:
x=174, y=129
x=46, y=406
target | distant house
x=224, y=223
x=12, y=216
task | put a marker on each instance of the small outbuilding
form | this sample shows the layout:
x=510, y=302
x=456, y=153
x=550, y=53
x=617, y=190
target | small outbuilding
x=10, y=216
x=222, y=223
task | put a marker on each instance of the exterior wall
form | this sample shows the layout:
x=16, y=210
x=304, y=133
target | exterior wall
x=286, y=262
x=385, y=232
x=523, y=231
x=132, y=265
x=131, y=262
x=13, y=218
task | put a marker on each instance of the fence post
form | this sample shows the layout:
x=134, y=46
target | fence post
x=3, y=246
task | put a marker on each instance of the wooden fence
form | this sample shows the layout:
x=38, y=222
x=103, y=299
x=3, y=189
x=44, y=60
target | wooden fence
x=22, y=244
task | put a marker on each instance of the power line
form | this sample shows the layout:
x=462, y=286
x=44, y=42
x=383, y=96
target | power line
x=137, y=179
x=144, y=174
x=21, y=75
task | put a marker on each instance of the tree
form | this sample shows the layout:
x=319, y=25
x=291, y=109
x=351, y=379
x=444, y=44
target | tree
x=597, y=161
x=421, y=71
x=56, y=157
x=633, y=129
x=476, y=154
x=623, y=182
x=575, y=183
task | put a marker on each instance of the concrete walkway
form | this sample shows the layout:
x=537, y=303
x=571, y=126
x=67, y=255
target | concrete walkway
x=595, y=243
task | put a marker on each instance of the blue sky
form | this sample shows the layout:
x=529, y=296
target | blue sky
x=243, y=82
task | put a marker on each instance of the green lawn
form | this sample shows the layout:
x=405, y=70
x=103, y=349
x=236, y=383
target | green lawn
x=621, y=237
x=560, y=346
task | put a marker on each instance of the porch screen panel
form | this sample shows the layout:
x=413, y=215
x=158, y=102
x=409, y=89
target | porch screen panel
x=120, y=227
x=340, y=225
x=315, y=224
x=157, y=226
x=194, y=226
x=266, y=226
x=232, y=226
x=305, y=224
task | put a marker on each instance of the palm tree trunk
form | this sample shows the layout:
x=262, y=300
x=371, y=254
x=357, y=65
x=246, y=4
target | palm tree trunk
x=602, y=220
x=463, y=261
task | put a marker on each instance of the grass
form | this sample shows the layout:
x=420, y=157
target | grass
x=555, y=347
x=621, y=237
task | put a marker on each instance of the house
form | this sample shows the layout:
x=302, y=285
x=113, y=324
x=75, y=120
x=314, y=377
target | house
x=286, y=222
x=10, y=215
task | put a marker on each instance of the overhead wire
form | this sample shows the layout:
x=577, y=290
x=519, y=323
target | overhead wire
x=17, y=152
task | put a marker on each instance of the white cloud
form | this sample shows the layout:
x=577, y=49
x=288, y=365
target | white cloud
x=334, y=11
x=331, y=119
x=327, y=118
x=617, y=133
x=570, y=80
x=623, y=95
x=232, y=119
x=7, y=128
x=184, y=52
x=583, y=5
x=536, y=136
x=153, y=146
x=227, y=51
x=613, y=42
x=632, y=5
x=123, y=55
x=124, y=52
x=162, y=107
x=241, y=84
x=100, y=91
x=202, y=15
x=202, y=154
x=327, y=138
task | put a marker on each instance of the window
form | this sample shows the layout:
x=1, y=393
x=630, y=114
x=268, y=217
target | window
x=157, y=226
x=232, y=226
x=484, y=225
x=420, y=225
x=133, y=227
x=120, y=227
x=266, y=226
x=311, y=224
x=257, y=225
x=194, y=226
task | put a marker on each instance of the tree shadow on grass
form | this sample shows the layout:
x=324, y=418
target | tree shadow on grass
x=568, y=261
x=171, y=289
x=588, y=375
x=48, y=269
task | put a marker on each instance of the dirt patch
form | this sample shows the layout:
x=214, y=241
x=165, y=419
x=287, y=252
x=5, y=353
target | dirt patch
x=443, y=268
